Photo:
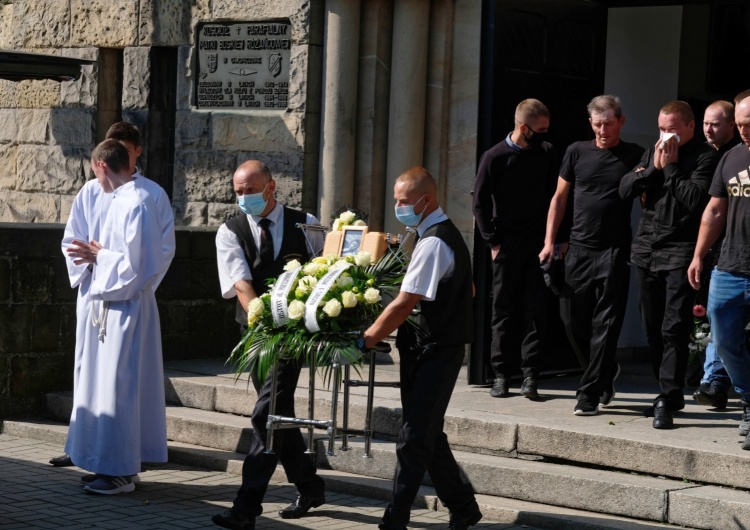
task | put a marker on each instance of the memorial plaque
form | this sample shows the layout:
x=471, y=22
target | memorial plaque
x=243, y=65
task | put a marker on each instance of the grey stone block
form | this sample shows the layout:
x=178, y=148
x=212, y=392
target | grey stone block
x=136, y=77
x=83, y=91
x=192, y=129
x=72, y=128
x=32, y=126
x=22, y=207
x=265, y=132
x=104, y=23
x=51, y=169
x=9, y=130
x=202, y=174
x=170, y=22
x=41, y=23
x=185, y=77
x=634, y=455
x=185, y=393
x=710, y=507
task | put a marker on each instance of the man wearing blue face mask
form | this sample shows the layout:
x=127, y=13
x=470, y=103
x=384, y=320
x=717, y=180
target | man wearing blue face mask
x=438, y=283
x=250, y=248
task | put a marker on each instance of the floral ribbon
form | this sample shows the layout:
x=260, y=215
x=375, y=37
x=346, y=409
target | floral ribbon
x=280, y=295
x=319, y=291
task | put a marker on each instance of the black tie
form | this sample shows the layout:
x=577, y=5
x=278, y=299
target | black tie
x=266, y=242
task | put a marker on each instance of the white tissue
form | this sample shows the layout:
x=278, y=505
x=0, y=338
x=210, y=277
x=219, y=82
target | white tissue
x=666, y=136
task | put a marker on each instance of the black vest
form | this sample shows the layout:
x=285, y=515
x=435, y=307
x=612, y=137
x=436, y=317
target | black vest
x=447, y=320
x=293, y=246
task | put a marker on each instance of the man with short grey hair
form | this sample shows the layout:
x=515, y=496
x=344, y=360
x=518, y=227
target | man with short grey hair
x=596, y=261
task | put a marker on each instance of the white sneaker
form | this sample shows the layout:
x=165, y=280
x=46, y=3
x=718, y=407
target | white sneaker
x=107, y=485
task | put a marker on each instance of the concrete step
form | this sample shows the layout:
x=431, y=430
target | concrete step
x=474, y=423
x=705, y=449
x=495, y=508
x=610, y=492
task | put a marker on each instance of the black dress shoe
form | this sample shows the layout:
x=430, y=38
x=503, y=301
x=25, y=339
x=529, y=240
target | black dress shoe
x=234, y=519
x=464, y=521
x=663, y=415
x=528, y=389
x=61, y=461
x=301, y=506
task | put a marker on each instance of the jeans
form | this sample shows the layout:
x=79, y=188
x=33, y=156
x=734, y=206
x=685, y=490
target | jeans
x=728, y=311
x=713, y=368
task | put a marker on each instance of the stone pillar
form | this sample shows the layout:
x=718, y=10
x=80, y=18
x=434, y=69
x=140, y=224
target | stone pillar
x=341, y=52
x=372, y=111
x=406, y=117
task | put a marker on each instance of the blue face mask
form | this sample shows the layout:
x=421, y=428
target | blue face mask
x=253, y=204
x=405, y=214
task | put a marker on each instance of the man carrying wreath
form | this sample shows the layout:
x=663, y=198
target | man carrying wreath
x=438, y=284
x=252, y=247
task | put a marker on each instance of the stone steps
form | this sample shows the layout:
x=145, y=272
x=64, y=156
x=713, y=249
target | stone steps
x=530, y=452
x=496, y=508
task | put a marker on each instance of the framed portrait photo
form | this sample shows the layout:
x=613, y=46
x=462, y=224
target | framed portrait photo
x=351, y=240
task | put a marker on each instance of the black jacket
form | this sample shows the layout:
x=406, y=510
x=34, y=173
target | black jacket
x=673, y=201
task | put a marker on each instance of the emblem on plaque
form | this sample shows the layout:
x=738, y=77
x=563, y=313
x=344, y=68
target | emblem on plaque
x=274, y=64
x=213, y=61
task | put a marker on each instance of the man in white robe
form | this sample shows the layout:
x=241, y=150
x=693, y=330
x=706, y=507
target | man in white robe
x=84, y=223
x=119, y=418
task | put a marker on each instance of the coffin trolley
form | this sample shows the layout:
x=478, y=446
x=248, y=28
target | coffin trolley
x=338, y=380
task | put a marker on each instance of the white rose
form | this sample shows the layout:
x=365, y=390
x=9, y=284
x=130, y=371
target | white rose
x=359, y=222
x=336, y=226
x=340, y=264
x=372, y=296
x=349, y=299
x=255, y=307
x=311, y=269
x=306, y=284
x=332, y=308
x=344, y=281
x=363, y=259
x=347, y=217
x=296, y=310
x=292, y=265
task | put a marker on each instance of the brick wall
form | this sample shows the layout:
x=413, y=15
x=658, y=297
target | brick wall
x=37, y=311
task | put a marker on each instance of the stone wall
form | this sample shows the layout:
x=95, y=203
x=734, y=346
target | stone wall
x=50, y=128
x=37, y=311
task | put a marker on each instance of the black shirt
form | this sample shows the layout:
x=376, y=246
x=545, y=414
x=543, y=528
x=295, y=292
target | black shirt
x=601, y=218
x=512, y=192
x=732, y=182
x=674, y=200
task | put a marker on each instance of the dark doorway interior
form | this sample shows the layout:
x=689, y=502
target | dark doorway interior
x=553, y=51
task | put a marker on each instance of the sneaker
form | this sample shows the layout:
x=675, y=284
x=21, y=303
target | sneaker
x=609, y=393
x=107, y=485
x=500, y=387
x=528, y=389
x=585, y=408
x=745, y=418
x=714, y=396
x=91, y=477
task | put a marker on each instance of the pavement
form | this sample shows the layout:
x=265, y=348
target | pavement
x=34, y=495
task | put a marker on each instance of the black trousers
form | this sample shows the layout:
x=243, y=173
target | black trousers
x=519, y=308
x=592, y=305
x=427, y=382
x=288, y=446
x=667, y=318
